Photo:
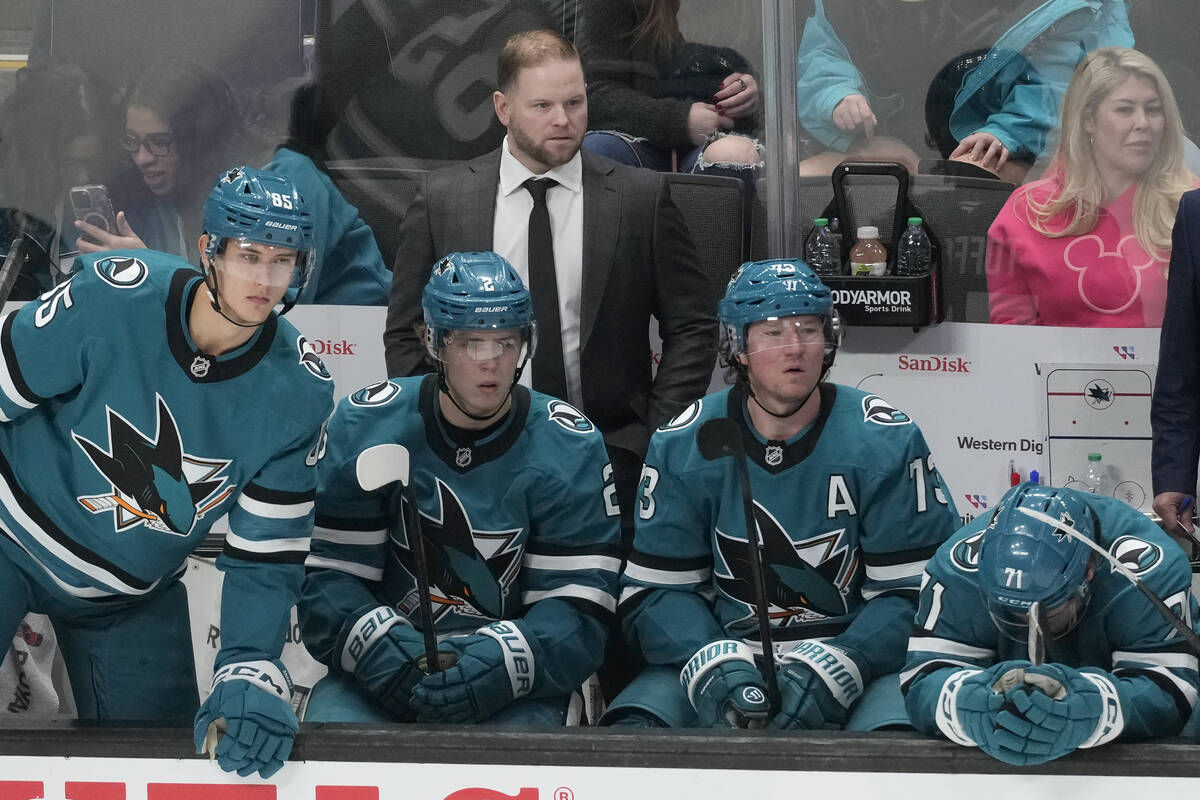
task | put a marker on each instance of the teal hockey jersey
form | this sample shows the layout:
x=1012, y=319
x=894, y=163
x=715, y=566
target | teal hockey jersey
x=848, y=511
x=122, y=443
x=1121, y=633
x=519, y=519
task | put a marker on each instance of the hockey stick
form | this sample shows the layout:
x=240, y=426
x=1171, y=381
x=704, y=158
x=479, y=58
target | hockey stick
x=717, y=438
x=1170, y=616
x=375, y=468
x=1036, y=640
x=11, y=268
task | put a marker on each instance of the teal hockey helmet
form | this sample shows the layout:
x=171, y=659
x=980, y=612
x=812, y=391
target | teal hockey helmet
x=253, y=205
x=762, y=290
x=1030, y=555
x=475, y=291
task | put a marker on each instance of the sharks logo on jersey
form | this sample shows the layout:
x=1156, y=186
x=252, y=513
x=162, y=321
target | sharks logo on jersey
x=683, y=418
x=569, y=417
x=470, y=571
x=377, y=394
x=154, y=482
x=1138, y=555
x=311, y=361
x=881, y=412
x=122, y=272
x=796, y=590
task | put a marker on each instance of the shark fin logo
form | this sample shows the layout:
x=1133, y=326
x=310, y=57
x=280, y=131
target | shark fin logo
x=569, y=417
x=805, y=581
x=311, y=361
x=122, y=272
x=881, y=412
x=471, y=571
x=154, y=482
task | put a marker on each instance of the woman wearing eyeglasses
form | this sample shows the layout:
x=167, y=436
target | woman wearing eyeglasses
x=182, y=128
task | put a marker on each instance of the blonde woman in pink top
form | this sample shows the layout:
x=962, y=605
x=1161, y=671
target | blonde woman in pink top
x=1088, y=245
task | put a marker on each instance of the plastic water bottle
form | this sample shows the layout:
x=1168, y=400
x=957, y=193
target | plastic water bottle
x=822, y=250
x=915, y=255
x=1096, y=477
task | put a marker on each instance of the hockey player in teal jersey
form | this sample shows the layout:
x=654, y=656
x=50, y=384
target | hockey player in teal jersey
x=849, y=507
x=519, y=520
x=1105, y=665
x=141, y=401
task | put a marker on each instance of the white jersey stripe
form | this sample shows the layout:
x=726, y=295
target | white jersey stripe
x=267, y=545
x=275, y=510
x=337, y=536
x=669, y=577
x=597, y=596
x=606, y=563
x=6, y=382
x=931, y=644
x=1178, y=660
x=1185, y=688
x=350, y=567
x=896, y=572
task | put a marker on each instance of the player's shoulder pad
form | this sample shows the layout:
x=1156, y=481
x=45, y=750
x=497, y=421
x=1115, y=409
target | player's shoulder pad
x=552, y=414
x=1152, y=557
x=380, y=394
x=126, y=270
x=960, y=553
x=874, y=412
x=684, y=419
x=301, y=351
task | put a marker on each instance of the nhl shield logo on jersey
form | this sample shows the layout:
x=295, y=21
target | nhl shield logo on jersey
x=965, y=554
x=471, y=571
x=881, y=412
x=683, y=418
x=566, y=415
x=773, y=455
x=462, y=457
x=1138, y=555
x=200, y=366
x=795, y=588
x=154, y=482
x=377, y=394
x=311, y=361
x=122, y=272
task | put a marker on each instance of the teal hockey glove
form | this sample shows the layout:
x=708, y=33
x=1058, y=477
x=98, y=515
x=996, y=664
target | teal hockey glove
x=495, y=667
x=968, y=707
x=383, y=651
x=725, y=687
x=818, y=683
x=247, y=723
x=1058, y=709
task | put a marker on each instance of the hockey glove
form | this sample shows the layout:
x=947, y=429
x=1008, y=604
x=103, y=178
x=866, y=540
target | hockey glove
x=247, y=723
x=383, y=651
x=725, y=687
x=495, y=667
x=818, y=682
x=1058, y=709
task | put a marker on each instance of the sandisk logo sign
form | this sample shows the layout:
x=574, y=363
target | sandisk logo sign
x=933, y=364
x=107, y=790
x=526, y=793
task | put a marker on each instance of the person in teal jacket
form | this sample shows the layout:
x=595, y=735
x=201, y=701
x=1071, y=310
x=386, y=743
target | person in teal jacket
x=1007, y=105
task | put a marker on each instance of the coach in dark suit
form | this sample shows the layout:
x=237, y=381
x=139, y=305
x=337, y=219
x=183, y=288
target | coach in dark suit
x=1175, y=408
x=621, y=251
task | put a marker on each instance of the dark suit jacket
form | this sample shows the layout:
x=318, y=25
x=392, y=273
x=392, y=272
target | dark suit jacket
x=638, y=261
x=1175, y=409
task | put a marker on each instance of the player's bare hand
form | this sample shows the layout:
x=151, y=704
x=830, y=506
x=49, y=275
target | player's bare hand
x=982, y=149
x=1178, y=523
x=738, y=95
x=855, y=112
x=704, y=120
x=124, y=239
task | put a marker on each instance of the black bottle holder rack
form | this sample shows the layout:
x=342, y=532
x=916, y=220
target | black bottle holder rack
x=898, y=300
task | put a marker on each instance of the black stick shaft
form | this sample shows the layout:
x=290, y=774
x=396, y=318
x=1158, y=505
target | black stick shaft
x=754, y=543
x=11, y=268
x=417, y=543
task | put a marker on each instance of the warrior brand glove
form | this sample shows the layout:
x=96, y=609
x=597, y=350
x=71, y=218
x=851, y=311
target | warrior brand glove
x=247, y=723
x=818, y=682
x=383, y=651
x=495, y=667
x=725, y=687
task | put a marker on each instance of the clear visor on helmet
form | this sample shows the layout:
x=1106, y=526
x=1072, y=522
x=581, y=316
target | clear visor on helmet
x=774, y=333
x=1013, y=620
x=483, y=345
x=279, y=267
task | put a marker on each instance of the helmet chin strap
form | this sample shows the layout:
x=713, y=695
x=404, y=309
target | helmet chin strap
x=800, y=405
x=214, y=291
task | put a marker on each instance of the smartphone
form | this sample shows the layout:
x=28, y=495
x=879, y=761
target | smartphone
x=91, y=204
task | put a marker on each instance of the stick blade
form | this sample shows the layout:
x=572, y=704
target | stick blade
x=380, y=465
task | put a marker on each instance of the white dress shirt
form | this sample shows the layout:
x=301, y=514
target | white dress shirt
x=510, y=238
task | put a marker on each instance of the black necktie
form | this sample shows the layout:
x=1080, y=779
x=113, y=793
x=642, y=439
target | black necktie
x=549, y=375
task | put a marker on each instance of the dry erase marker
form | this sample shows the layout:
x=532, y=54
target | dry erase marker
x=1034, y=477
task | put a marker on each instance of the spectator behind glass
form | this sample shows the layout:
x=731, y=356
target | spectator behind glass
x=182, y=128
x=863, y=82
x=1087, y=246
x=652, y=95
x=55, y=133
